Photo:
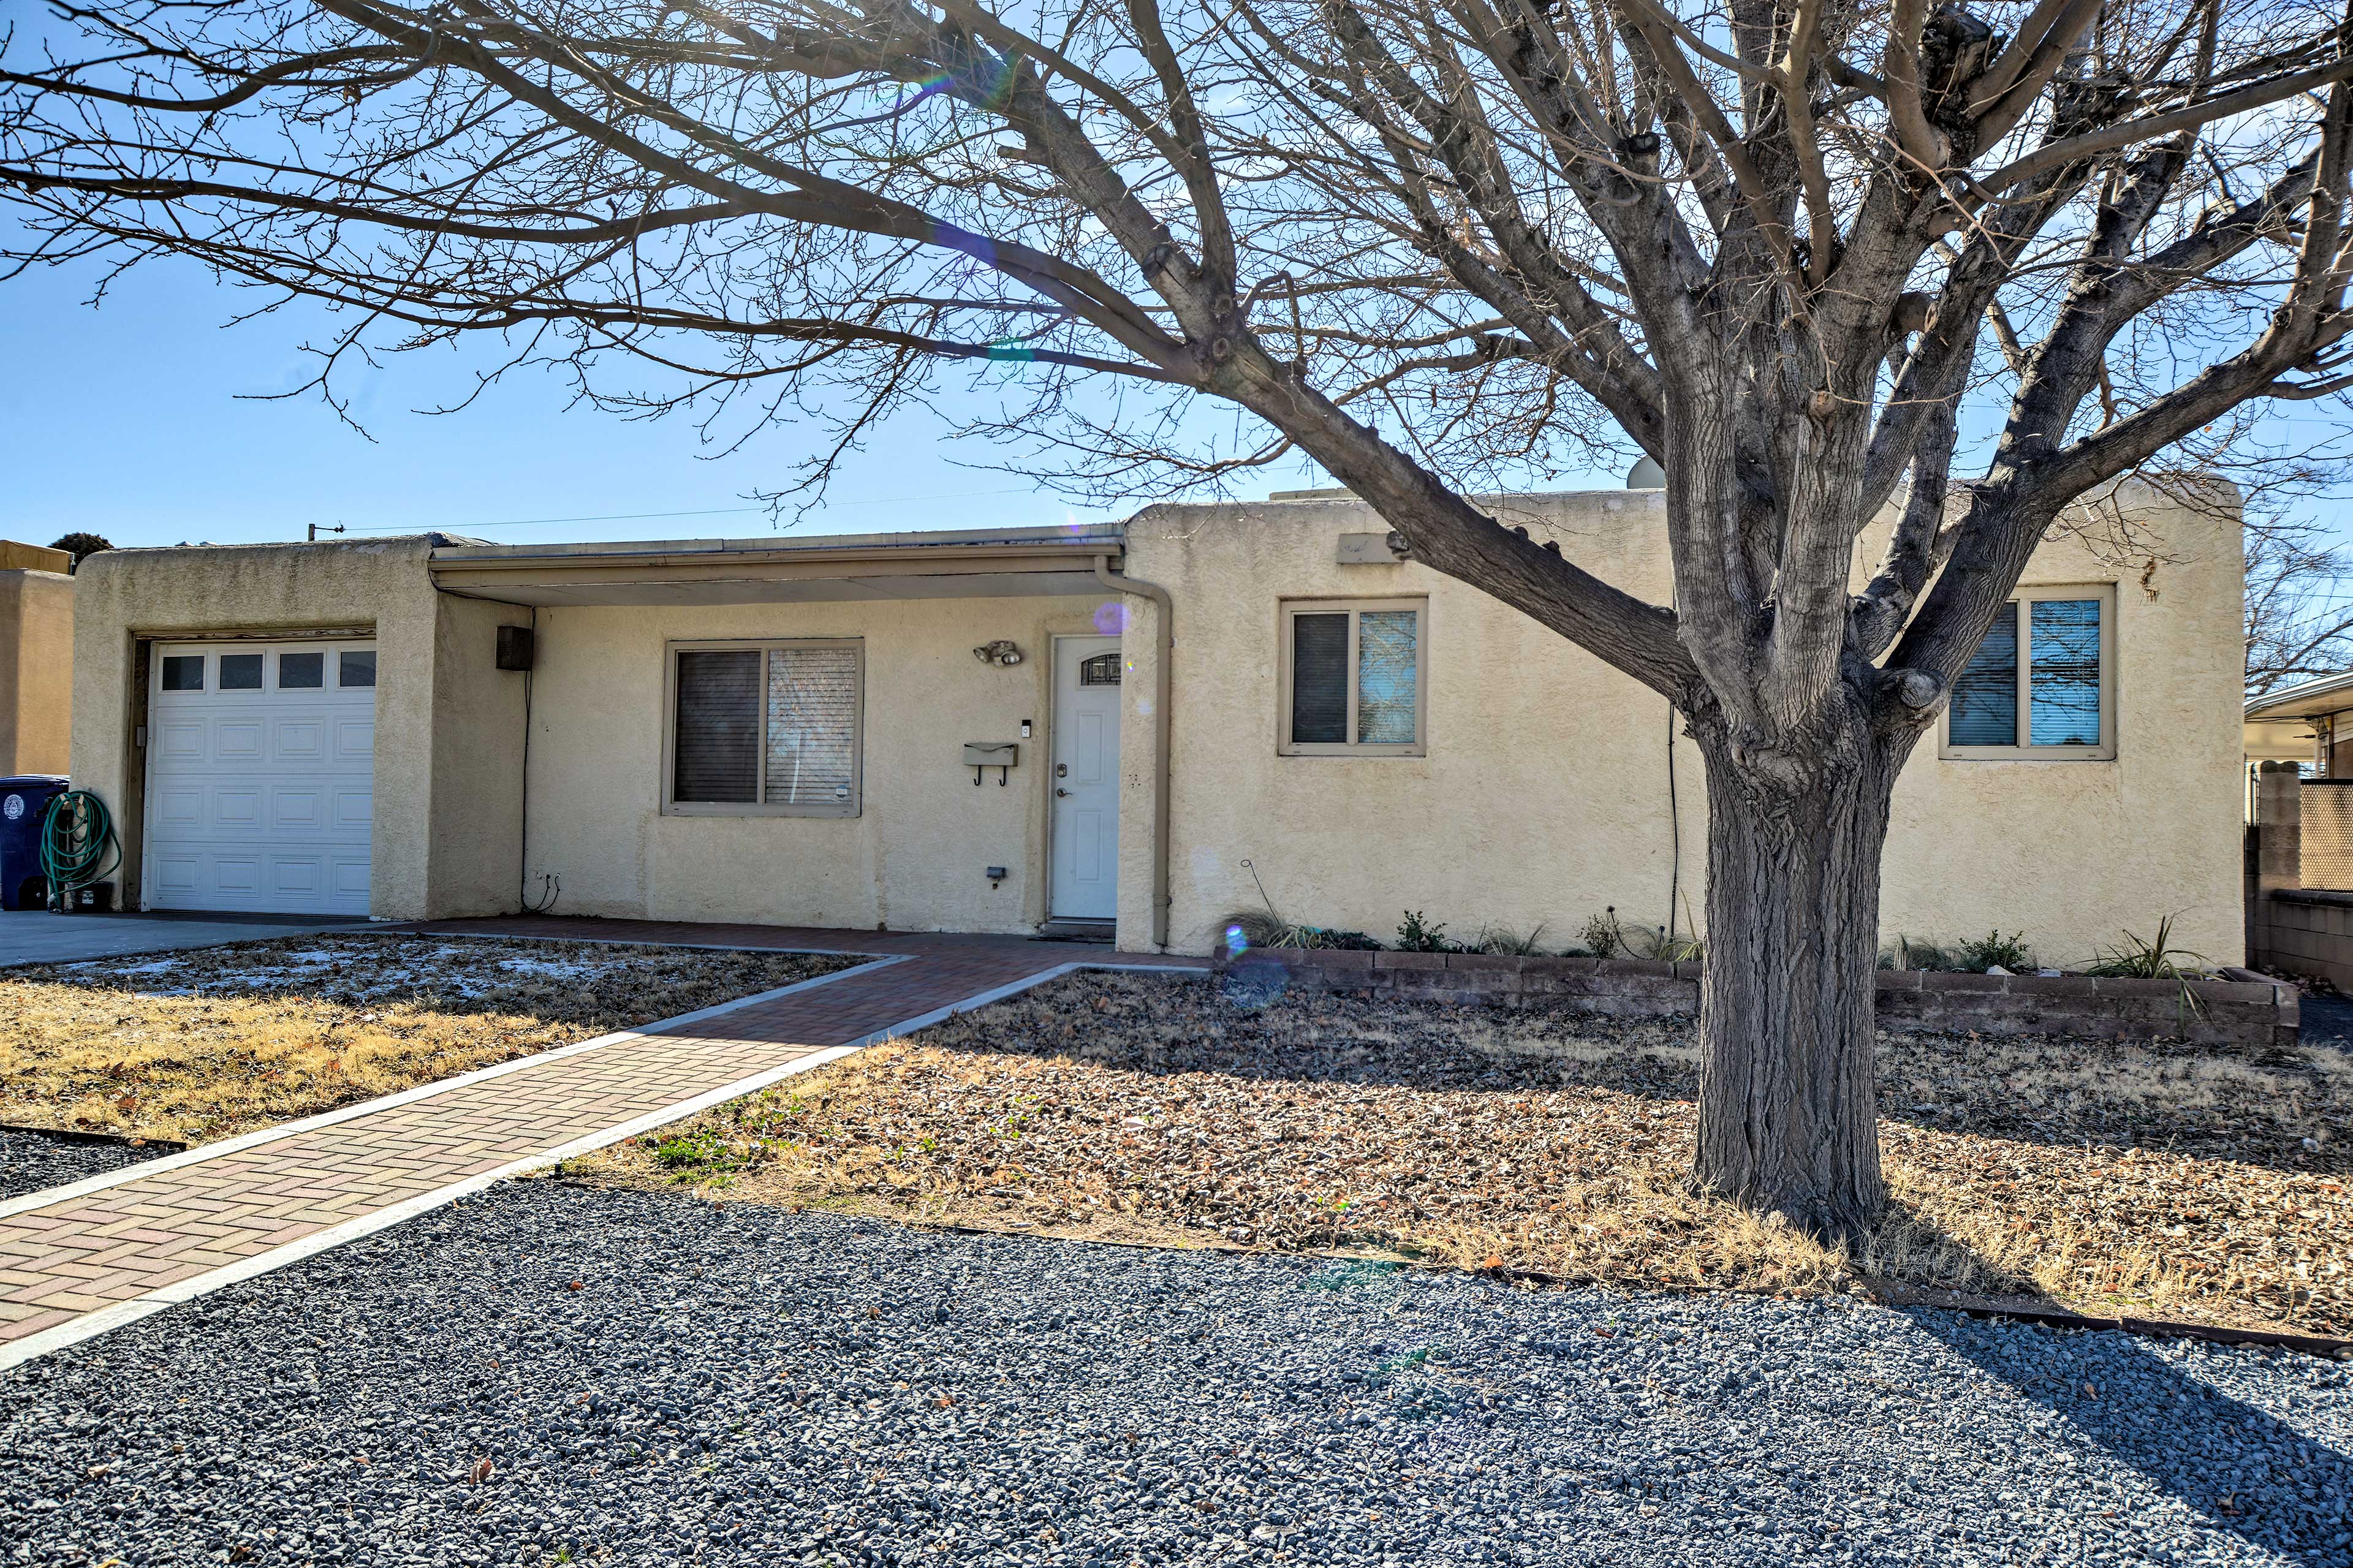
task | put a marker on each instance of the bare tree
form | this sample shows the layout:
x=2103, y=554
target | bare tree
x=2299, y=614
x=1774, y=246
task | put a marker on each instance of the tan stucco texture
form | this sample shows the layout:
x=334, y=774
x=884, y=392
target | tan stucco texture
x=1543, y=797
x=916, y=856
x=36, y=670
x=449, y=728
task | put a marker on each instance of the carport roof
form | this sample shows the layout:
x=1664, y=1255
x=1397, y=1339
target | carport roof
x=969, y=563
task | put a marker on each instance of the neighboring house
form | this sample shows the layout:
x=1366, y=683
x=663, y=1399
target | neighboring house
x=36, y=619
x=2298, y=744
x=828, y=730
x=2310, y=722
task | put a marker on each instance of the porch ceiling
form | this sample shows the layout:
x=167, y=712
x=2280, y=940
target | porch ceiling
x=964, y=566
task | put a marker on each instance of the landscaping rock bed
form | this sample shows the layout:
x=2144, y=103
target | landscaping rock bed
x=548, y=1374
x=201, y=1045
x=31, y=1161
x=2246, y=1012
x=2112, y=1178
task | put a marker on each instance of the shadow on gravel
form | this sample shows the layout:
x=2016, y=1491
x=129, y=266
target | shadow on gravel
x=2239, y=1468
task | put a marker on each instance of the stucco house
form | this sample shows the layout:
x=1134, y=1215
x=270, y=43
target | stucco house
x=36, y=593
x=1130, y=726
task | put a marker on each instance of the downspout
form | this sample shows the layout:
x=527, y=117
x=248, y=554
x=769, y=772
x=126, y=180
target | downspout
x=1123, y=584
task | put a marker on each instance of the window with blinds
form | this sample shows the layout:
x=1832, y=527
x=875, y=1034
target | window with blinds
x=2040, y=685
x=1352, y=678
x=766, y=729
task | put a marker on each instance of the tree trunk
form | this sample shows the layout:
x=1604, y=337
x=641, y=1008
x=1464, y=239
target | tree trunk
x=1788, y=1109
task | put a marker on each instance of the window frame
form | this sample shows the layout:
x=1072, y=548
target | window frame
x=2021, y=605
x=759, y=805
x=1289, y=610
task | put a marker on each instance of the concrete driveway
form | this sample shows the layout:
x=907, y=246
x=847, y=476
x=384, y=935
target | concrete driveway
x=36, y=936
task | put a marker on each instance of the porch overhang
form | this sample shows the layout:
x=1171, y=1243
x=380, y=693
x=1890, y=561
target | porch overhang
x=971, y=564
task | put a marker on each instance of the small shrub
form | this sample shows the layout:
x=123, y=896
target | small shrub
x=1910, y=952
x=1246, y=929
x=1415, y=934
x=2010, y=952
x=1603, y=936
x=2153, y=958
x=1656, y=945
x=1254, y=927
x=696, y=1149
x=1505, y=940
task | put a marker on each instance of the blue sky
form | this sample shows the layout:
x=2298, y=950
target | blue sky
x=137, y=421
x=127, y=420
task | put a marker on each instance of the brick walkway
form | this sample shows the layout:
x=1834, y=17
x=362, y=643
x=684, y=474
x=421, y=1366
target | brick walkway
x=88, y=1257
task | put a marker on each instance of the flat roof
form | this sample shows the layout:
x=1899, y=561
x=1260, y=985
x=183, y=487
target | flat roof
x=947, y=564
x=1084, y=539
x=2306, y=700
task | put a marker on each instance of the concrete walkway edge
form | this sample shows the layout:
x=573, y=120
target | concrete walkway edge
x=103, y=1320
x=25, y=1202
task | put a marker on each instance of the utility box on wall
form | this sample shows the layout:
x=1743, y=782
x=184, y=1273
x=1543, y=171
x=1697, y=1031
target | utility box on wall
x=515, y=648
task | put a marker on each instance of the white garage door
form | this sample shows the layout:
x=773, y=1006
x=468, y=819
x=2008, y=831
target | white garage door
x=260, y=776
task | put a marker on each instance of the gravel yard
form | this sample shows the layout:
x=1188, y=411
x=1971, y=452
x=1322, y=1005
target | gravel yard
x=2113, y=1177
x=548, y=1374
x=202, y=1044
x=32, y=1161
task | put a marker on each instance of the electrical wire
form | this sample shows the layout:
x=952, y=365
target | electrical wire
x=549, y=883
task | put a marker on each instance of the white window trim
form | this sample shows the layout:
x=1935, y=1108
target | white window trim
x=1290, y=610
x=2106, y=752
x=758, y=807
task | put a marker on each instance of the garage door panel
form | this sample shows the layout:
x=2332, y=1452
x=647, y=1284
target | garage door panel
x=354, y=809
x=237, y=808
x=297, y=742
x=261, y=798
x=180, y=741
x=236, y=741
x=297, y=809
x=180, y=808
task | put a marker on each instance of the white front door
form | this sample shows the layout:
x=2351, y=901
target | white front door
x=1086, y=778
x=260, y=776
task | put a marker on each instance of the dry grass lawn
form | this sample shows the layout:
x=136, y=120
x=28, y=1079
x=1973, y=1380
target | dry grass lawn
x=196, y=1045
x=2111, y=1178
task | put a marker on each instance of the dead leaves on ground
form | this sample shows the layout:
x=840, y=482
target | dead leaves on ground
x=205, y=1045
x=1122, y=1105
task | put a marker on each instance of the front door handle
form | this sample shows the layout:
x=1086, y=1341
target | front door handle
x=1058, y=793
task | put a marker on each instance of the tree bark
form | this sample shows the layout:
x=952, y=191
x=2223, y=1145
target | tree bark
x=1788, y=1118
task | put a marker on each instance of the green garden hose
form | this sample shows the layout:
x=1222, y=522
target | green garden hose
x=78, y=843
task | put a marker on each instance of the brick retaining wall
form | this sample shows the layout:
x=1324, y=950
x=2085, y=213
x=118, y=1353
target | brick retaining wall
x=2231, y=1011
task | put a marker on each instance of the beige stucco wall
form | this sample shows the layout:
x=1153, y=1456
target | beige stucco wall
x=36, y=670
x=915, y=858
x=447, y=735
x=1543, y=797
